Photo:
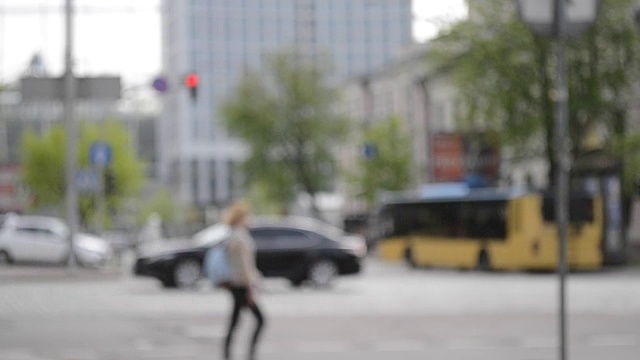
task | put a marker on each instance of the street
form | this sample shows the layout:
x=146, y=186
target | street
x=389, y=311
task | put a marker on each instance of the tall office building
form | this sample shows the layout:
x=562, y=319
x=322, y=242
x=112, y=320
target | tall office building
x=217, y=39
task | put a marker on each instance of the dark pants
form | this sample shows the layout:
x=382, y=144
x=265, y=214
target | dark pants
x=239, y=301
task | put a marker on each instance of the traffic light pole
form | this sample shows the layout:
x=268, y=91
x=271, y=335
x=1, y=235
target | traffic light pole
x=562, y=170
x=100, y=199
x=71, y=199
x=100, y=194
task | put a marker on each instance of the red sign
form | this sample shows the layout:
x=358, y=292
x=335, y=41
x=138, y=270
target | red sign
x=456, y=156
x=11, y=198
x=448, y=157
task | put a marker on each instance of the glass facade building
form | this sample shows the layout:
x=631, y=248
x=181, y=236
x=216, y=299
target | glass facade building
x=217, y=39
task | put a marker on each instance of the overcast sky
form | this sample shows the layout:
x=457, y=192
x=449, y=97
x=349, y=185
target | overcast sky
x=122, y=36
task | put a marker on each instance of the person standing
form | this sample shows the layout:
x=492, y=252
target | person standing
x=245, y=277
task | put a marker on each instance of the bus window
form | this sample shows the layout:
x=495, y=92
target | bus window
x=483, y=219
x=435, y=219
x=580, y=209
x=474, y=220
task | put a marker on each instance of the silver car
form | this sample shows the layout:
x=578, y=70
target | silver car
x=45, y=239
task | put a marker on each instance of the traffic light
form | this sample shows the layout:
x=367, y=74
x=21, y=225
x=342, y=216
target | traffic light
x=191, y=82
x=110, y=187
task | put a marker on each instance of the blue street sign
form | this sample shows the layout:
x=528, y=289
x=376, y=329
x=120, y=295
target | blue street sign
x=100, y=153
x=87, y=180
x=370, y=151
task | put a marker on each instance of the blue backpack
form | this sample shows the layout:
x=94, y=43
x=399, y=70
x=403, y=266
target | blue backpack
x=216, y=265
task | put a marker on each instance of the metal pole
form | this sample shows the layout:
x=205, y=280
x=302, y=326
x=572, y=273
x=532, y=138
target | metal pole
x=4, y=137
x=562, y=168
x=100, y=200
x=4, y=128
x=69, y=118
x=428, y=138
x=100, y=171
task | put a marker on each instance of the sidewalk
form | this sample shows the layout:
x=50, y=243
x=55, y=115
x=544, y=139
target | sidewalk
x=41, y=272
x=29, y=273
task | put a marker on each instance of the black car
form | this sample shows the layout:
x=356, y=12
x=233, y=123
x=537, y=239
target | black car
x=298, y=249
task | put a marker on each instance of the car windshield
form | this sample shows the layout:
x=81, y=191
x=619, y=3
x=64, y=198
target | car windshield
x=211, y=235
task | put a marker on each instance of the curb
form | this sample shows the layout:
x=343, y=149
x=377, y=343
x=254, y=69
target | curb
x=14, y=274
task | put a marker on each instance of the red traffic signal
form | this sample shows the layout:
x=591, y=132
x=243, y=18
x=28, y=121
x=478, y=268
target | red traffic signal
x=191, y=80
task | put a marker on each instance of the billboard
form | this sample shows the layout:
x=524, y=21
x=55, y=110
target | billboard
x=105, y=88
x=463, y=156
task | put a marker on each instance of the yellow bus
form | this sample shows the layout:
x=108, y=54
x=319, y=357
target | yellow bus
x=452, y=225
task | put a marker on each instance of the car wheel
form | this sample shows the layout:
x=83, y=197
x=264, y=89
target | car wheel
x=5, y=258
x=322, y=273
x=484, y=262
x=78, y=261
x=296, y=283
x=187, y=272
x=168, y=283
x=408, y=256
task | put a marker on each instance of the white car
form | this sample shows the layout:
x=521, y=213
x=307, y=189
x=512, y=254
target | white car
x=44, y=239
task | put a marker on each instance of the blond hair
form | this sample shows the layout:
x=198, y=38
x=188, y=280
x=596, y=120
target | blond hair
x=235, y=213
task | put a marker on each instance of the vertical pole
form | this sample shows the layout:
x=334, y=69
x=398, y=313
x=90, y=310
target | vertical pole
x=562, y=168
x=100, y=171
x=428, y=136
x=4, y=127
x=69, y=118
x=100, y=199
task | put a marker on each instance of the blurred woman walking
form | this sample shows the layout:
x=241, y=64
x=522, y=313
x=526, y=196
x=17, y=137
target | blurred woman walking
x=245, y=277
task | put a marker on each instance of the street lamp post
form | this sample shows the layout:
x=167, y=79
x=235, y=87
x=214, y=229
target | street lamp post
x=560, y=19
x=69, y=117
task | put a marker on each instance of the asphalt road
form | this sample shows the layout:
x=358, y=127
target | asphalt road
x=388, y=312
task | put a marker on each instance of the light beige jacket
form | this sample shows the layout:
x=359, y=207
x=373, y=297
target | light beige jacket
x=242, y=259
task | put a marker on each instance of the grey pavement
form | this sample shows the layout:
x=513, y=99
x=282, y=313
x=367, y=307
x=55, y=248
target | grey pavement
x=383, y=290
x=15, y=274
x=390, y=311
x=20, y=273
x=414, y=337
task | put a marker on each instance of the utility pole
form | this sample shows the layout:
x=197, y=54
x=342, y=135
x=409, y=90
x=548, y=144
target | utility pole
x=563, y=164
x=70, y=124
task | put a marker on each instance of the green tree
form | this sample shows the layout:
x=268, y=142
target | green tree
x=159, y=203
x=43, y=166
x=387, y=164
x=505, y=76
x=286, y=114
x=43, y=159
